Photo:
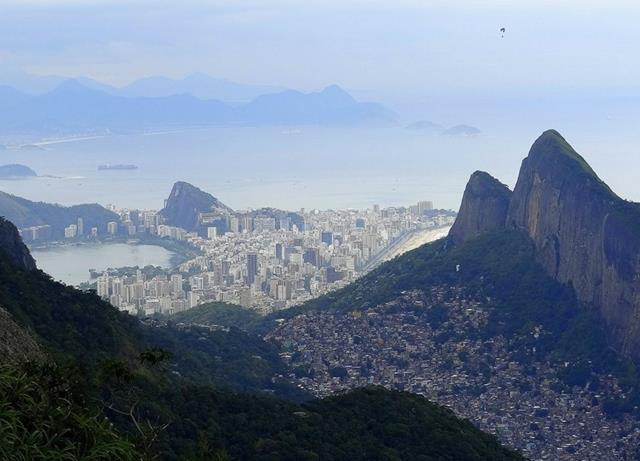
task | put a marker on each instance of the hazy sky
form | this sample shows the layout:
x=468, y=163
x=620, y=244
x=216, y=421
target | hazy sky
x=371, y=46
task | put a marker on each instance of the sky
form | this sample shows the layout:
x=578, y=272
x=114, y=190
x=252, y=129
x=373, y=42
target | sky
x=400, y=48
x=566, y=64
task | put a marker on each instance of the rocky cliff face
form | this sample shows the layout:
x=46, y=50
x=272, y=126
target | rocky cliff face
x=17, y=345
x=585, y=235
x=11, y=245
x=186, y=202
x=484, y=207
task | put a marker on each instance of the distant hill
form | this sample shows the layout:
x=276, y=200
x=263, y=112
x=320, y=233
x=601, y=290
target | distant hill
x=462, y=131
x=74, y=106
x=195, y=210
x=16, y=171
x=26, y=213
x=425, y=126
x=199, y=85
x=10, y=97
x=186, y=203
x=223, y=314
x=330, y=106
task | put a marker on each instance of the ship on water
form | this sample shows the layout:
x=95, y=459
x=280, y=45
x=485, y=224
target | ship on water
x=118, y=166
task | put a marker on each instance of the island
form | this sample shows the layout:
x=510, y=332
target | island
x=117, y=167
x=14, y=171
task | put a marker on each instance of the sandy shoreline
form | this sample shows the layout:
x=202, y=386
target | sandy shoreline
x=416, y=240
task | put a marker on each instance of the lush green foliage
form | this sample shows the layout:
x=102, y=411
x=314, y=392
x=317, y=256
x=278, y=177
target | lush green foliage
x=223, y=314
x=73, y=325
x=365, y=424
x=230, y=359
x=43, y=417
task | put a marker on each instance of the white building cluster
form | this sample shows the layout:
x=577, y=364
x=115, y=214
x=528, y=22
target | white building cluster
x=269, y=268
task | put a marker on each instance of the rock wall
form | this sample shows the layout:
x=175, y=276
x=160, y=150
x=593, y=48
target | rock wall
x=484, y=207
x=585, y=235
x=12, y=246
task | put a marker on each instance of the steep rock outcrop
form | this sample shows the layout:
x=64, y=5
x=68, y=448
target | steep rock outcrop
x=585, y=235
x=12, y=246
x=484, y=207
x=186, y=202
x=16, y=344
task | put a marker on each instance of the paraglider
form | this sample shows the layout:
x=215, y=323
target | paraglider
x=502, y=31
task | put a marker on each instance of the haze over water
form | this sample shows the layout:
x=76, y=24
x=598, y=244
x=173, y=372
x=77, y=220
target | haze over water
x=308, y=167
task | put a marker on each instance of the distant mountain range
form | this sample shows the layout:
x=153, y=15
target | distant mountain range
x=83, y=104
x=197, y=84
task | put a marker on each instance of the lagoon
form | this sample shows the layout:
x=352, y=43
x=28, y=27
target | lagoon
x=71, y=263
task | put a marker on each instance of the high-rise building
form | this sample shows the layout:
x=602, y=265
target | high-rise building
x=197, y=282
x=134, y=217
x=312, y=256
x=176, y=285
x=246, y=223
x=234, y=224
x=194, y=298
x=212, y=233
x=333, y=275
x=102, y=286
x=252, y=267
x=264, y=224
x=112, y=227
x=279, y=253
x=425, y=205
x=327, y=237
x=70, y=231
x=80, y=226
x=245, y=297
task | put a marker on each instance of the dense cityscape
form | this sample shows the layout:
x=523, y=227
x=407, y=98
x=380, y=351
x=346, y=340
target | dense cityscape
x=260, y=262
x=424, y=342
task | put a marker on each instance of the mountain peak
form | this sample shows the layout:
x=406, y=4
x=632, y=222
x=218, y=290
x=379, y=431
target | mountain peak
x=584, y=233
x=186, y=202
x=336, y=93
x=71, y=85
x=484, y=207
x=553, y=149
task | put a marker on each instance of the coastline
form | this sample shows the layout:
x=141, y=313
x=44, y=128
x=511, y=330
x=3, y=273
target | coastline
x=406, y=243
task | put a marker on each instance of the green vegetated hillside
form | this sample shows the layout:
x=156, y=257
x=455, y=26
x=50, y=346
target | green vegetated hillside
x=500, y=269
x=171, y=392
x=223, y=314
x=26, y=213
